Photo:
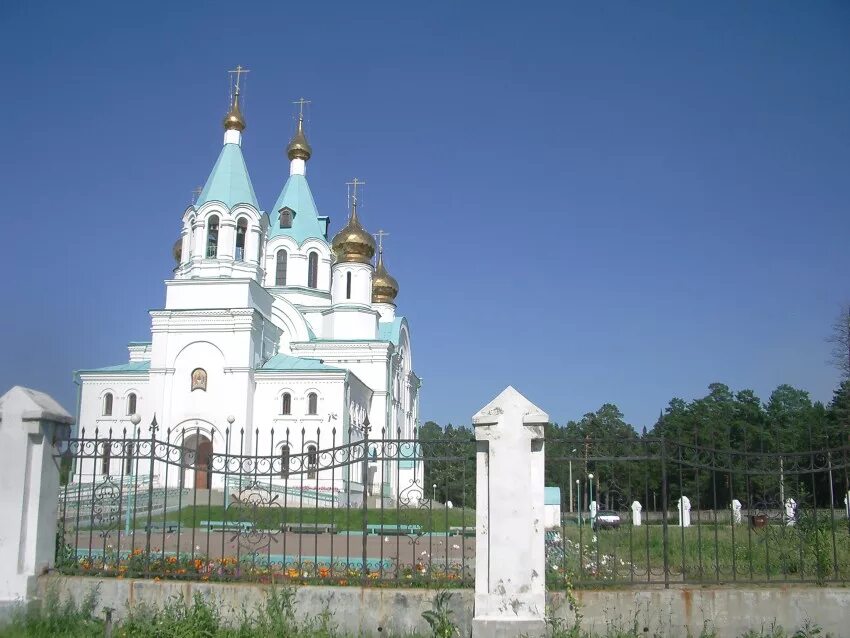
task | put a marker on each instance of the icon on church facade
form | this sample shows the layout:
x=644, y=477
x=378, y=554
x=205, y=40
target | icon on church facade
x=199, y=379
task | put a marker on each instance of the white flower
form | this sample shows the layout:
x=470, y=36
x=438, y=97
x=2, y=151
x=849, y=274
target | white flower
x=455, y=546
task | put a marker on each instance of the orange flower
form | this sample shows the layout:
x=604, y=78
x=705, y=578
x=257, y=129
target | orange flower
x=324, y=572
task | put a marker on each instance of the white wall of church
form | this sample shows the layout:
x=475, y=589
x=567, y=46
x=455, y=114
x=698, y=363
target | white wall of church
x=297, y=262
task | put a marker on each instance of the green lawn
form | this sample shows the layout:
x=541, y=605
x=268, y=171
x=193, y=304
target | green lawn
x=713, y=553
x=431, y=520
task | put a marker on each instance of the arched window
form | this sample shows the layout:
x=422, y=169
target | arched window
x=280, y=269
x=128, y=458
x=286, y=404
x=312, y=461
x=285, y=217
x=312, y=403
x=313, y=270
x=212, y=237
x=107, y=404
x=241, y=232
x=284, y=460
x=348, y=285
x=107, y=456
x=131, y=404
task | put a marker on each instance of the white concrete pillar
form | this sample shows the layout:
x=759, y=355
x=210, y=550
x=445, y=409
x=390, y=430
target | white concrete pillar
x=30, y=422
x=510, y=583
x=684, y=507
x=636, y=509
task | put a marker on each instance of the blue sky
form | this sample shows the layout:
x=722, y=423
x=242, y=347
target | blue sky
x=594, y=202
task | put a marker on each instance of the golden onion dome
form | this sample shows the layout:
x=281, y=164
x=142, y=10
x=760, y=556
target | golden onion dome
x=384, y=285
x=353, y=243
x=234, y=120
x=299, y=147
x=177, y=250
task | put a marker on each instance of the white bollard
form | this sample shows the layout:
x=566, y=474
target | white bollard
x=790, y=512
x=636, y=509
x=736, y=511
x=684, y=512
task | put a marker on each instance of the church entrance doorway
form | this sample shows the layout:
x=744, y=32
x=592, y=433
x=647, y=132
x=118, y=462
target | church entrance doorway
x=197, y=456
x=203, y=477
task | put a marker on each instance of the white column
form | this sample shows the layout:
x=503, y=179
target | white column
x=510, y=583
x=30, y=421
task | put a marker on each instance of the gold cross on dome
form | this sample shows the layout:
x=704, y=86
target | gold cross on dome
x=238, y=71
x=301, y=102
x=352, y=191
x=380, y=235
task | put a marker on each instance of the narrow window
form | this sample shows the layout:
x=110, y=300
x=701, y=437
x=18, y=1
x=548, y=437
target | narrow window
x=313, y=270
x=280, y=269
x=107, y=454
x=131, y=404
x=312, y=403
x=284, y=460
x=312, y=461
x=128, y=458
x=212, y=237
x=348, y=285
x=107, y=404
x=241, y=232
x=286, y=407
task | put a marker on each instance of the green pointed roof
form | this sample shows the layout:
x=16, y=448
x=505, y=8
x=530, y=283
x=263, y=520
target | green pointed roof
x=229, y=182
x=306, y=221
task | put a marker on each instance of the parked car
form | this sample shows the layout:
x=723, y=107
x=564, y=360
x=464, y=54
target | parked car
x=606, y=519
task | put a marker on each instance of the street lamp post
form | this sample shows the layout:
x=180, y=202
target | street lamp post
x=578, y=499
x=590, y=496
x=571, y=481
x=434, y=495
x=135, y=419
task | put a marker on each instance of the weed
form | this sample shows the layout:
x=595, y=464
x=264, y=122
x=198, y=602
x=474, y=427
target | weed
x=439, y=618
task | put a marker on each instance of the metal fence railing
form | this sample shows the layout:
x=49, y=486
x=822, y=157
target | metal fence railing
x=346, y=508
x=649, y=511
x=321, y=506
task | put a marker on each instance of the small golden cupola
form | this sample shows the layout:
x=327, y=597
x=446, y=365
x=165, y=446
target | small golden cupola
x=353, y=243
x=299, y=147
x=384, y=285
x=234, y=121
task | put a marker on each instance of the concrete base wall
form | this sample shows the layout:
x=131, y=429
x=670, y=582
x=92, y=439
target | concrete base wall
x=390, y=612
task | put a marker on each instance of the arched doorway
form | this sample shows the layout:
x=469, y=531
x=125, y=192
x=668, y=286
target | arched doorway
x=203, y=455
x=197, y=456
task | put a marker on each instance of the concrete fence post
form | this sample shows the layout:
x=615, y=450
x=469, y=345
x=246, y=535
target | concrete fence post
x=30, y=422
x=510, y=582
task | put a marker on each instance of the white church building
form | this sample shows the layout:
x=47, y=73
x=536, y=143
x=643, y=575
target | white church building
x=274, y=341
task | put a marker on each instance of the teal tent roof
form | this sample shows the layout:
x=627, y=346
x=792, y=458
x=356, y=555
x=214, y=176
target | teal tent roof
x=551, y=495
x=306, y=221
x=132, y=366
x=390, y=330
x=289, y=363
x=229, y=182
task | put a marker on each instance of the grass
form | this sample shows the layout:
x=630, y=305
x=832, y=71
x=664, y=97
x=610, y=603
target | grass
x=709, y=553
x=276, y=617
x=436, y=520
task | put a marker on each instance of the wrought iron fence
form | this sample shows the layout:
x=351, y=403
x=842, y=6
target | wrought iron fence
x=345, y=508
x=650, y=511
x=319, y=506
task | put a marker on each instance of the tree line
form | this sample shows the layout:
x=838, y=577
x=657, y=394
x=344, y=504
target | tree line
x=725, y=445
x=721, y=446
